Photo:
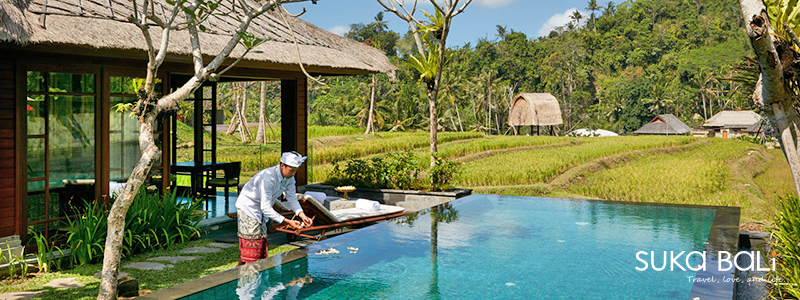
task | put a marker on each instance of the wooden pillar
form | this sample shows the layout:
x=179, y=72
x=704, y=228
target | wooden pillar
x=294, y=125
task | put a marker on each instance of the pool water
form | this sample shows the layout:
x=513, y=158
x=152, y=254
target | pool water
x=495, y=247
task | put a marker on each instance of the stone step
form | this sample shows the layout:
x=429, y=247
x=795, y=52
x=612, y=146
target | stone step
x=18, y=251
x=10, y=244
x=9, y=238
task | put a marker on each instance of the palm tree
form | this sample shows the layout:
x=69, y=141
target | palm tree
x=609, y=9
x=593, y=7
x=576, y=16
x=380, y=22
x=501, y=32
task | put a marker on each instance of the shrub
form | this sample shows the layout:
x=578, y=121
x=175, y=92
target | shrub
x=443, y=173
x=786, y=244
x=152, y=221
x=397, y=170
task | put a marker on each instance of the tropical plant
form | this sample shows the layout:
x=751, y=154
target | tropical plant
x=156, y=221
x=87, y=232
x=786, y=245
x=45, y=252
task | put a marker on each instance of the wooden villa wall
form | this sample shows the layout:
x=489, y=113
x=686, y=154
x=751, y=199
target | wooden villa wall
x=9, y=215
x=294, y=110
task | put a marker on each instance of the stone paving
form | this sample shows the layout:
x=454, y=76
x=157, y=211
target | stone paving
x=19, y=295
x=173, y=259
x=194, y=250
x=222, y=245
x=64, y=283
x=147, y=266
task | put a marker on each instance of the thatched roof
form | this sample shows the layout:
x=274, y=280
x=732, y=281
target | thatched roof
x=733, y=119
x=538, y=109
x=101, y=24
x=665, y=124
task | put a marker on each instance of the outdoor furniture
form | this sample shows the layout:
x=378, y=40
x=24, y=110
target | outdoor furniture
x=325, y=219
x=230, y=179
x=195, y=170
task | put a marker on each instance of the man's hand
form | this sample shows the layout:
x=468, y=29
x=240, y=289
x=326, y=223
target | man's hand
x=292, y=224
x=309, y=222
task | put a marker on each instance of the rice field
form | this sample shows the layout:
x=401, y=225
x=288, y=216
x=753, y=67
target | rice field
x=540, y=165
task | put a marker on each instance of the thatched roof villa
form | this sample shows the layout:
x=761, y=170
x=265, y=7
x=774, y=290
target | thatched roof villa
x=65, y=63
x=666, y=124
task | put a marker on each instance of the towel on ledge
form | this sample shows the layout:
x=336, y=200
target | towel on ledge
x=368, y=204
x=320, y=197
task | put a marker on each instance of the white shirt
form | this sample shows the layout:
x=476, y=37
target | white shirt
x=260, y=193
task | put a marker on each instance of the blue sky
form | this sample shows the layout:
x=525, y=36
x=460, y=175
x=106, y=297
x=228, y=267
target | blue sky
x=533, y=17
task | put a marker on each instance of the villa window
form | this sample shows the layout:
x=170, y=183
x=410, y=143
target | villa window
x=60, y=145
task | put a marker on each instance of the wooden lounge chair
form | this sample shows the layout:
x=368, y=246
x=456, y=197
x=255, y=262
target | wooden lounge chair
x=325, y=220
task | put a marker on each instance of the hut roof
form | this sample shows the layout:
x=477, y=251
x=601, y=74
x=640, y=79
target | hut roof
x=665, y=124
x=733, y=119
x=102, y=24
x=538, y=109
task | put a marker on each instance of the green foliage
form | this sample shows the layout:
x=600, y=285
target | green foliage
x=87, y=232
x=156, y=221
x=783, y=12
x=397, y=170
x=152, y=221
x=749, y=139
x=45, y=251
x=443, y=173
x=675, y=54
x=786, y=242
x=15, y=263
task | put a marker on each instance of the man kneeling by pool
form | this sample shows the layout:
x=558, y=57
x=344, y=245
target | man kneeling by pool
x=254, y=206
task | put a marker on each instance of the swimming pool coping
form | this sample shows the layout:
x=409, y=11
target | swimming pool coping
x=217, y=279
x=723, y=236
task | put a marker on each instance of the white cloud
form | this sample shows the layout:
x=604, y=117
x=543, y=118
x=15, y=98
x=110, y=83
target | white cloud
x=339, y=29
x=494, y=3
x=558, y=20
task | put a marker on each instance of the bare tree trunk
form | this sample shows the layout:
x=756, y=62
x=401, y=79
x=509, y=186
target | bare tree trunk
x=778, y=105
x=247, y=135
x=703, y=96
x=275, y=136
x=460, y=126
x=370, y=128
x=235, y=119
x=261, y=128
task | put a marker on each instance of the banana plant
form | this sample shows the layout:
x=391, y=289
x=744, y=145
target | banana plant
x=783, y=11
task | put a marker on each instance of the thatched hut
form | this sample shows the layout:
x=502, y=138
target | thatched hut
x=666, y=124
x=86, y=55
x=534, y=109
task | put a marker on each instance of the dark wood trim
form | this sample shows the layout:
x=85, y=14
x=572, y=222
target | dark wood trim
x=21, y=144
x=102, y=136
x=293, y=122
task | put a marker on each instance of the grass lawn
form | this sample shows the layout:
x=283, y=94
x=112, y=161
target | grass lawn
x=153, y=280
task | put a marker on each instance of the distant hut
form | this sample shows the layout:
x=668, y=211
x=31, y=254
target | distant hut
x=535, y=109
x=734, y=123
x=666, y=124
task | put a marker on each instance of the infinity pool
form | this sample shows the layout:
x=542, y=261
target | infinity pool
x=503, y=247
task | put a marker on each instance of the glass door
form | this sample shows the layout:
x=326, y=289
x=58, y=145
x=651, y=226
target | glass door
x=60, y=145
